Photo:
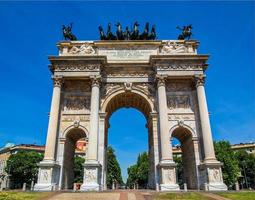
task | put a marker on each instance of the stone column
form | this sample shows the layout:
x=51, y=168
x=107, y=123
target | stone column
x=204, y=119
x=210, y=170
x=53, y=120
x=94, y=121
x=166, y=151
x=167, y=168
x=92, y=167
x=49, y=169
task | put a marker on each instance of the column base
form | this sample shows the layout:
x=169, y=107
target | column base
x=92, y=176
x=167, y=171
x=211, y=176
x=48, y=176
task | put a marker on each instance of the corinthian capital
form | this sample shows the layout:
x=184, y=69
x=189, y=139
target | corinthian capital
x=95, y=80
x=161, y=80
x=200, y=80
x=57, y=81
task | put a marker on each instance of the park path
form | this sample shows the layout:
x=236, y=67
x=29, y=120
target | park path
x=118, y=195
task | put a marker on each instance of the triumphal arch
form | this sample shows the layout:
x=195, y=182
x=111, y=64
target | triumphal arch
x=162, y=79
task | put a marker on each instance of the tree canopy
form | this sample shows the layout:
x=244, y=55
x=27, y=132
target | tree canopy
x=230, y=168
x=23, y=167
x=246, y=164
x=78, y=169
x=113, y=169
x=139, y=173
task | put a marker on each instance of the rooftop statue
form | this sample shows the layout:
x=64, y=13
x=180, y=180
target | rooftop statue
x=67, y=32
x=128, y=35
x=186, y=32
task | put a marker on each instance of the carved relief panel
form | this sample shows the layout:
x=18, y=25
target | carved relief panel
x=76, y=97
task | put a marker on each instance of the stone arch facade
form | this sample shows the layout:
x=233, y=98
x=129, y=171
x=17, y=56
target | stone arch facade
x=162, y=79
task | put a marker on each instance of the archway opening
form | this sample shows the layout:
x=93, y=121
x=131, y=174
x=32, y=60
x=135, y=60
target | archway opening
x=184, y=155
x=74, y=150
x=130, y=132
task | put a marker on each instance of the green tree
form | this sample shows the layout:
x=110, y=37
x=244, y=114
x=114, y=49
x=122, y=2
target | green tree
x=113, y=169
x=132, y=176
x=78, y=169
x=230, y=168
x=139, y=173
x=178, y=161
x=23, y=167
x=246, y=164
x=143, y=169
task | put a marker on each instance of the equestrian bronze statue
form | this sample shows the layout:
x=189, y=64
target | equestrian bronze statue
x=186, y=32
x=128, y=35
x=67, y=32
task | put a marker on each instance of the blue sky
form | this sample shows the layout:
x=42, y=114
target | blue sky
x=30, y=30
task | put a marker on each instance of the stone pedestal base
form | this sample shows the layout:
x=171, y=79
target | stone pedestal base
x=48, y=176
x=167, y=171
x=92, y=173
x=211, y=175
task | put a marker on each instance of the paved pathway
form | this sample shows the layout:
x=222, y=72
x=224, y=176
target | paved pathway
x=118, y=195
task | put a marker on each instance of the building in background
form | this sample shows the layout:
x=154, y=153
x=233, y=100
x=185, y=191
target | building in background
x=11, y=148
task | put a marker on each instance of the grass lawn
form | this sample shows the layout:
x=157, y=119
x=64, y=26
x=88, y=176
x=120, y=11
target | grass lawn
x=181, y=196
x=23, y=195
x=238, y=195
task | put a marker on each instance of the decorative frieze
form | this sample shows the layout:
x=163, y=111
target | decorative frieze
x=180, y=66
x=75, y=67
x=180, y=101
x=173, y=47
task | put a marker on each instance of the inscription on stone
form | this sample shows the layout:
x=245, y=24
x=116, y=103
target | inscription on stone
x=127, y=54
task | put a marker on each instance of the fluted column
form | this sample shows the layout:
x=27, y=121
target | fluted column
x=166, y=149
x=94, y=120
x=53, y=120
x=204, y=118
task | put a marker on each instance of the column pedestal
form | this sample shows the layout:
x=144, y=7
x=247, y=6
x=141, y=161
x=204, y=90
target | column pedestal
x=48, y=176
x=211, y=175
x=92, y=173
x=167, y=171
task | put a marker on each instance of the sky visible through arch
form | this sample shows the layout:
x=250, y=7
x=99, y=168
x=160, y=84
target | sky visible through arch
x=30, y=31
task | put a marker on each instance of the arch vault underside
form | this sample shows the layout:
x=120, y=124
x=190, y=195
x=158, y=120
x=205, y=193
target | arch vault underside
x=162, y=79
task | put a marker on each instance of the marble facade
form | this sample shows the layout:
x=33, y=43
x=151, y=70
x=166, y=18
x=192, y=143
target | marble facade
x=162, y=79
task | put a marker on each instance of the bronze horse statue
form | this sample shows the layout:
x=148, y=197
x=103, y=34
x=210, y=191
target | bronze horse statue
x=135, y=33
x=109, y=34
x=145, y=34
x=119, y=32
x=186, y=32
x=67, y=32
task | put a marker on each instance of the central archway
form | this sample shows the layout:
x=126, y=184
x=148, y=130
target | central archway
x=139, y=101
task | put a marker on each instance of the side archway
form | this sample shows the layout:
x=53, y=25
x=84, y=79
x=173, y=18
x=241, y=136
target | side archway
x=71, y=135
x=185, y=135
